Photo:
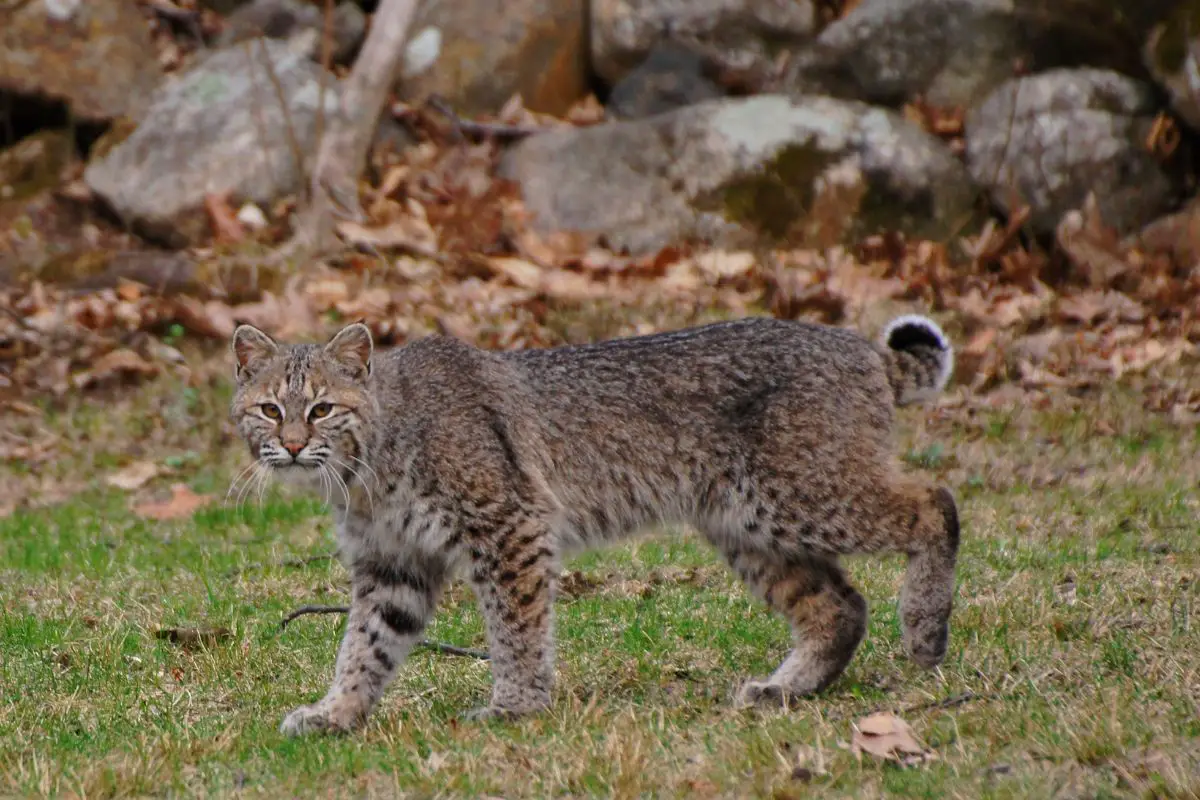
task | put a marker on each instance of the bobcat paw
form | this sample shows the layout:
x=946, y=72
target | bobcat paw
x=761, y=693
x=926, y=643
x=316, y=718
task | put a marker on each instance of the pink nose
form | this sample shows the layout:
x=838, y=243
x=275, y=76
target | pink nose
x=293, y=447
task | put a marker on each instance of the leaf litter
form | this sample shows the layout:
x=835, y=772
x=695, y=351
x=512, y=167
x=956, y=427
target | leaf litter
x=182, y=503
x=884, y=735
x=446, y=246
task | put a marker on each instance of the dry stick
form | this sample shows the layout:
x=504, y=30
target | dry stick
x=288, y=126
x=345, y=144
x=479, y=130
x=437, y=647
x=326, y=67
x=304, y=610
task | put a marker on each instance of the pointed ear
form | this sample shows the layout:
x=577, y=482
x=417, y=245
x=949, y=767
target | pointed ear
x=352, y=348
x=250, y=347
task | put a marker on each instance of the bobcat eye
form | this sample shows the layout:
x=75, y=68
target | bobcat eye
x=320, y=410
x=271, y=411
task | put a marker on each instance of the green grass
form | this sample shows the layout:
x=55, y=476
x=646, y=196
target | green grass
x=1074, y=664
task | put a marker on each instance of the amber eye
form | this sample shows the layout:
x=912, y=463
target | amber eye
x=320, y=410
x=271, y=411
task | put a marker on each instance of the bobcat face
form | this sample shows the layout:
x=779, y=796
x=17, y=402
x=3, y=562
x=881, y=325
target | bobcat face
x=303, y=409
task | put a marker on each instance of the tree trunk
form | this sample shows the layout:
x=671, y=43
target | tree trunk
x=347, y=140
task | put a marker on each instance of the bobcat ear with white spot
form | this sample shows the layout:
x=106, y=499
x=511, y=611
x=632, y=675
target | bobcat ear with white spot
x=250, y=347
x=352, y=348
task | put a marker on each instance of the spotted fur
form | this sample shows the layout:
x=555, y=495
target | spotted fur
x=771, y=438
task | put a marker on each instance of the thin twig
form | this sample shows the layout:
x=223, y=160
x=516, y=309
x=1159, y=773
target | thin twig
x=289, y=128
x=437, y=647
x=454, y=650
x=952, y=701
x=479, y=130
x=326, y=66
x=304, y=610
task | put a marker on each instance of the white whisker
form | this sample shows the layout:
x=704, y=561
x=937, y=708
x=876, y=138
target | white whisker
x=249, y=483
x=345, y=489
x=326, y=486
x=262, y=486
x=233, y=485
x=369, y=468
x=366, y=486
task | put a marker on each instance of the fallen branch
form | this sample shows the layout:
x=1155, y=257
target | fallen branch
x=305, y=610
x=470, y=129
x=437, y=647
x=344, y=147
x=454, y=650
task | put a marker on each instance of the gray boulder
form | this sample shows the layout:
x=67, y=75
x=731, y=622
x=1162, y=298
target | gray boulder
x=671, y=77
x=727, y=169
x=951, y=51
x=476, y=54
x=1047, y=141
x=96, y=55
x=743, y=32
x=218, y=129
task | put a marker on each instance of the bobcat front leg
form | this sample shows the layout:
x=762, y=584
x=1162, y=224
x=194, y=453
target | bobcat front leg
x=515, y=588
x=391, y=604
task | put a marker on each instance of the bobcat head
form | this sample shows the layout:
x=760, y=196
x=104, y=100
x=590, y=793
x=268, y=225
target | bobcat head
x=304, y=409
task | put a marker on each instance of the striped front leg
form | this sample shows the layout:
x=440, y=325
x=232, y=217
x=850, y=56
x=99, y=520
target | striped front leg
x=390, y=606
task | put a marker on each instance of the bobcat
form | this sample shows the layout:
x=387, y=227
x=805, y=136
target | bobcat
x=772, y=438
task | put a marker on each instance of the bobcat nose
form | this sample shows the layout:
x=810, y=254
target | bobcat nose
x=293, y=447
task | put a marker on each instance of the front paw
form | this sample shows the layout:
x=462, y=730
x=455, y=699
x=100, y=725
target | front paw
x=317, y=718
x=762, y=694
x=926, y=642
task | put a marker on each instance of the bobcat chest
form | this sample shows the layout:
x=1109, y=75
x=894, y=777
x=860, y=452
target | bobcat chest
x=399, y=527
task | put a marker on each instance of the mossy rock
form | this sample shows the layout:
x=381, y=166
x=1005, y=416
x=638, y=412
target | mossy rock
x=772, y=200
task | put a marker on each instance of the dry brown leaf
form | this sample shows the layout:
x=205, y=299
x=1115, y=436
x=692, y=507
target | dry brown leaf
x=718, y=265
x=134, y=476
x=563, y=285
x=409, y=233
x=1005, y=306
x=520, y=272
x=224, y=219
x=980, y=343
x=370, y=304
x=1090, y=306
x=886, y=736
x=1036, y=377
x=1139, y=356
x=116, y=365
x=588, y=111
x=182, y=503
x=554, y=249
x=859, y=287
x=213, y=318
